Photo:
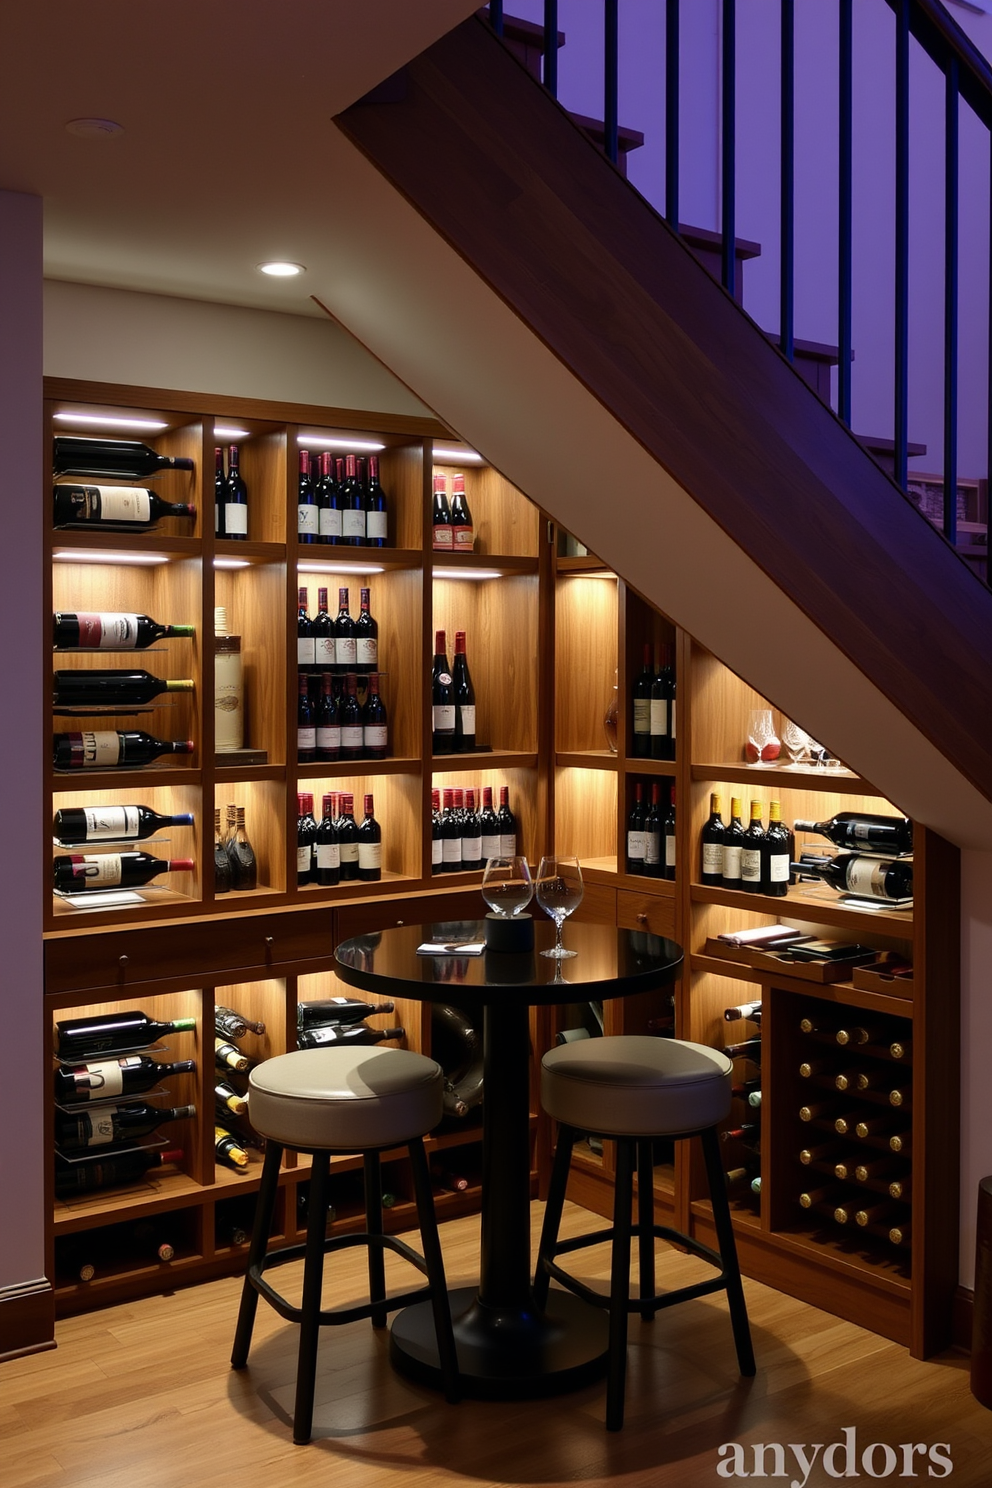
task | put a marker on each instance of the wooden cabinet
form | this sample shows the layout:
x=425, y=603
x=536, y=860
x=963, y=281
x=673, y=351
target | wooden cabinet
x=552, y=641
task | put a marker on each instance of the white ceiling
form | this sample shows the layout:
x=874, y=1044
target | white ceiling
x=224, y=159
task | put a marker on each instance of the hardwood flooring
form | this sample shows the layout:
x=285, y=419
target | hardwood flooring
x=142, y=1396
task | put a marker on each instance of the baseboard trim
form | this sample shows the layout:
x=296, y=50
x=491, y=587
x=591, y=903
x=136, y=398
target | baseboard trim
x=962, y=1317
x=27, y=1318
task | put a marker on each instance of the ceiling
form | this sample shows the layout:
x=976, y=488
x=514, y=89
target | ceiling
x=225, y=156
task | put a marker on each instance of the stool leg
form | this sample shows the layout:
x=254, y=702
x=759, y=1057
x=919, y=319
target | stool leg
x=619, y=1283
x=373, y=1226
x=431, y=1243
x=645, y=1224
x=728, y=1251
x=313, y=1268
x=264, y=1211
x=552, y=1213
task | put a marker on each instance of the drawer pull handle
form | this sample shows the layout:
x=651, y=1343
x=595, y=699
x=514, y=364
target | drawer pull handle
x=401, y=922
x=270, y=941
x=642, y=918
x=122, y=961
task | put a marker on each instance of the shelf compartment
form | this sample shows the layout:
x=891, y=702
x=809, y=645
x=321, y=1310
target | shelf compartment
x=264, y=803
x=500, y=619
x=835, y=782
x=505, y=522
x=811, y=906
x=586, y=620
x=253, y=598
x=485, y=769
x=586, y=816
x=397, y=802
x=337, y=562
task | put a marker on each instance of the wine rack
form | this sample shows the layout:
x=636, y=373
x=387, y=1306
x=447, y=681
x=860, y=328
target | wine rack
x=555, y=643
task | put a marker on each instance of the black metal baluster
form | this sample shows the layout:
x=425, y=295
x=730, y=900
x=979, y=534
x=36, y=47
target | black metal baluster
x=787, y=213
x=845, y=220
x=672, y=113
x=551, y=46
x=951, y=301
x=611, y=78
x=728, y=150
x=901, y=352
x=496, y=16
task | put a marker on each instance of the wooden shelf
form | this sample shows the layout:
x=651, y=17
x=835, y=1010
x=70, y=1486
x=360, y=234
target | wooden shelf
x=587, y=759
x=811, y=905
x=761, y=777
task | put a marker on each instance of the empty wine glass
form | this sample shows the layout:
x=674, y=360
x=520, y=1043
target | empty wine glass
x=559, y=893
x=507, y=886
x=797, y=742
x=763, y=744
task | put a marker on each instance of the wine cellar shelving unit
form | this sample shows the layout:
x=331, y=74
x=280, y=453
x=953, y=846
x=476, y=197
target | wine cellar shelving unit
x=549, y=636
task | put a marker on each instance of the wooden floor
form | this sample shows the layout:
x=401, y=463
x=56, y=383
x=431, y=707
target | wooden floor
x=142, y=1396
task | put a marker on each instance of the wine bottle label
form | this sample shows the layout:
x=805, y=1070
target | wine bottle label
x=731, y=862
x=349, y=852
x=108, y=632
x=659, y=716
x=467, y=711
x=713, y=859
x=107, y=1076
x=352, y=736
x=867, y=877
x=346, y=651
x=491, y=846
x=306, y=653
x=329, y=521
x=95, y=751
x=451, y=850
x=642, y=716
x=118, y=504
x=375, y=735
x=96, y=1128
x=437, y=851
x=443, y=539
x=778, y=868
x=329, y=738
x=235, y=518
x=306, y=520
x=306, y=738
x=111, y=823
x=353, y=523
x=99, y=872
x=751, y=864
x=652, y=847
x=444, y=718
x=471, y=849
x=508, y=845
x=671, y=719
x=463, y=539
x=375, y=526
x=369, y=854
x=367, y=652
x=324, y=651
x=328, y=855
x=635, y=846
x=669, y=852
x=303, y=855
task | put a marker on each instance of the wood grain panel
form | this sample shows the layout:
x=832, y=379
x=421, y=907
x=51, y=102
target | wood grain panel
x=586, y=647
x=499, y=617
x=585, y=814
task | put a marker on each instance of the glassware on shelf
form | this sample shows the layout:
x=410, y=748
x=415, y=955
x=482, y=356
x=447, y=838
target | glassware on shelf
x=610, y=720
x=763, y=744
x=559, y=893
x=797, y=742
x=507, y=886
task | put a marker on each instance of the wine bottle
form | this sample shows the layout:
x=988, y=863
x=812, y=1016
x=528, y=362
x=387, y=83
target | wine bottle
x=124, y=459
x=106, y=1124
x=635, y=832
x=306, y=724
x=328, y=722
x=328, y=501
x=78, y=824
x=749, y=1132
x=446, y=1179
x=451, y=835
x=120, y=749
x=352, y=499
x=375, y=723
x=828, y=1193
x=345, y=637
x=376, y=508
x=751, y=852
x=339, y=1010
x=733, y=845
x=324, y=642
x=350, y=714
x=662, y=714
x=712, y=837
x=464, y=741
x=77, y=630
x=223, y=872
x=327, y=852
x=111, y=689
x=669, y=864
x=74, y=873
x=507, y=825
x=230, y=1099
x=641, y=692
x=306, y=657
x=82, y=1039
x=749, y=1010
x=775, y=854
x=864, y=831
x=462, y=531
x=228, y=1150
x=330, y=1034
x=235, y=1025
x=820, y=1152
x=747, y=1049
x=220, y=491
x=347, y=830
x=228, y=1056
x=123, y=508
x=307, y=523
x=654, y=842
x=369, y=845
x=235, y=499
x=102, y=1079
x=442, y=533
x=437, y=862
x=866, y=878
x=306, y=839
x=489, y=824
x=366, y=636
x=442, y=699
x=110, y=1172
x=471, y=834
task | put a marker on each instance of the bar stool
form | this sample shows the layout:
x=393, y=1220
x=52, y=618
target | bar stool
x=637, y=1089
x=344, y=1101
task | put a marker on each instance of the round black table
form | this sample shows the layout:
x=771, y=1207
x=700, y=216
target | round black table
x=506, y=1348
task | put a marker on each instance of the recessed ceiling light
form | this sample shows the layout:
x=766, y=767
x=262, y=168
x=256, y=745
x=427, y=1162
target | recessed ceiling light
x=93, y=128
x=111, y=421
x=230, y=433
x=282, y=270
x=331, y=441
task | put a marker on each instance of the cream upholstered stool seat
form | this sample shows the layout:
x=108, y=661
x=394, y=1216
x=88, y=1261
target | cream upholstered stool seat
x=351, y=1099
x=637, y=1089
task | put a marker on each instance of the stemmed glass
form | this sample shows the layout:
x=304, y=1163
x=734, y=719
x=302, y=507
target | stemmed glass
x=762, y=740
x=559, y=893
x=507, y=886
x=797, y=742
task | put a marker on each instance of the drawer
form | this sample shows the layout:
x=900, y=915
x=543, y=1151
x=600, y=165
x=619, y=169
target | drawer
x=189, y=951
x=654, y=912
x=415, y=909
x=598, y=907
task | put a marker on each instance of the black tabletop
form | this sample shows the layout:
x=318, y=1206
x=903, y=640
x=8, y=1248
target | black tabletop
x=609, y=963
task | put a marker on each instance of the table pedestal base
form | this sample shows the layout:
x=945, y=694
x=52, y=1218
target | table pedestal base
x=506, y=1355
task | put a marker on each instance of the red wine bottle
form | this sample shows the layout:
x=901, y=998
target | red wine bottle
x=507, y=825
x=345, y=637
x=327, y=849
x=228, y=1149
x=123, y=508
x=654, y=840
x=111, y=1172
x=733, y=845
x=74, y=630
x=229, y=1099
x=868, y=878
x=102, y=1079
x=328, y=502
x=641, y=736
x=864, y=831
x=752, y=851
x=442, y=534
x=108, y=1033
x=228, y=1056
x=306, y=723
x=347, y=830
x=241, y=855
x=376, y=508
x=366, y=637
x=352, y=506
x=324, y=644
x=669, y=864
x=451, y=835
x=75, y=874
x=235, y=499
x=220, y=491
x=339, y=1011
x=437, y=860
x=464, y=741
x=307, y=523
x=106, y=1124
x=375, y=723
x=121, y=749
x=79, y=824
x=330, y=1034
x=462, y=531
x=306, y=833
x=124, y=459
x=712, y=838
x=489, y=824
x=662, y=714
x=328, y=722
x=442, y=699
x=111, y=689
x=305, y=652
x=471, y=834
x=369, y=845
x=635, y=832
x=350, y=714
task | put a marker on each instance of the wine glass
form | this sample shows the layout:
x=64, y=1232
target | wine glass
x=559, y=893
x=763, y=744
x=797, y=742
x=507, y=886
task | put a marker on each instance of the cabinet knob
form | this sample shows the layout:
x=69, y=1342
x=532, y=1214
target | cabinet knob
x=270, y=941
x=642, y=918
x=401, y=922
x=122, y=961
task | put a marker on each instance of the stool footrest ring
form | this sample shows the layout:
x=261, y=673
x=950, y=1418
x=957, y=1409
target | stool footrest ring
x=339, y=1315
x=663, y=1299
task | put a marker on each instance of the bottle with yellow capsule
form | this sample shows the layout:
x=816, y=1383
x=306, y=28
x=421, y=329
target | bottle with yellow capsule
x=229, y=1151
